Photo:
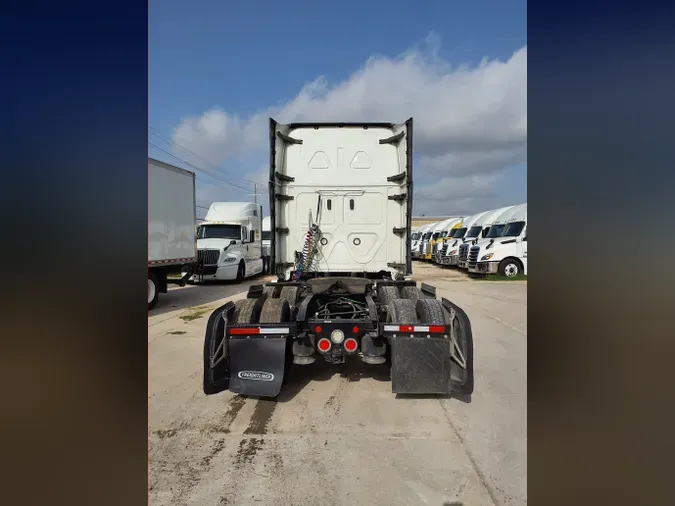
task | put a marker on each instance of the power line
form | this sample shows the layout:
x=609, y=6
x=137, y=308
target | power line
x=199, y=168
x=159, y=134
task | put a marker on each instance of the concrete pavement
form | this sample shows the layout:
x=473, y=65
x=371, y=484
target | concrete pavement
x=337, y=435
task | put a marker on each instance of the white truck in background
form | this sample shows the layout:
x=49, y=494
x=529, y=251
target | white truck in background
x=453, y=248
x=266, y=244
x=504, y=254
x=229, y=242
x=418, y=241
x=439, y=229
x=450, y=229
x=172, y=215
x=478, y=231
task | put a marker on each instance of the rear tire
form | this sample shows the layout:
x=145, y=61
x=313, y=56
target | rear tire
x=402, y=311
x=388, y=293
x=275, y=311
x=153, y=291
x=245, y=312
x=411, y=293
x=430, y=311
x=289, y=294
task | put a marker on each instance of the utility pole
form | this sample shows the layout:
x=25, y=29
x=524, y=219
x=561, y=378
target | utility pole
x=255, y=193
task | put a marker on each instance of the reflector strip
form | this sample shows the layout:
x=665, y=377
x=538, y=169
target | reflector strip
x=244, y=331
x=433, y=329
x=275, y=330
x=240, y=331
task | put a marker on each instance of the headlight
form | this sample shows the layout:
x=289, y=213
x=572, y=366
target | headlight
x=228, y=260
x=486, y=257
x=453, y=252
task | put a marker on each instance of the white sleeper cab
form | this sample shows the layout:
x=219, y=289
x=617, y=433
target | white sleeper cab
x=505, y=254
x=464, y=234
x=229, y=242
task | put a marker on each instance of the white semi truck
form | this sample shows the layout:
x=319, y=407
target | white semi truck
x=452, y=248
x=229, y=241
x=266, y=244
x=505, y=251
x=477, y=232
x=418, y=241
x=172, y=215
x=341, y=210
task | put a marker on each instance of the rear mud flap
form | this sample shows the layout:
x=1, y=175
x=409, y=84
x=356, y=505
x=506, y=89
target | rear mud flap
x=420, y=365
x=435, y=365
x=257, y=365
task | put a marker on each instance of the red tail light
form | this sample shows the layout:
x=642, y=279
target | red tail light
x=355, y=329
x=324, y=345
x=244, y=332
x=351, y=345
x=317, y=329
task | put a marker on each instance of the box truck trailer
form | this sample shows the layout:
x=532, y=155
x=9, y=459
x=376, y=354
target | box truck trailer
x=171, y=227
x=340, y=216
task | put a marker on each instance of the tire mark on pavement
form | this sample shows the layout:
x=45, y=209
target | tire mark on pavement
x=481, y=476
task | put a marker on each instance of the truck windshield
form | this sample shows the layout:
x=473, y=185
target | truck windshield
x=266, y=235
x=460, y=233
x=495, y=231
x=444, y=234
x=435, y=236
x=513, y=229
x=219, y=232
x=474, y=232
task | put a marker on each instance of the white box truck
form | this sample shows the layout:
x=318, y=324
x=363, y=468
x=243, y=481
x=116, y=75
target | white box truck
x=506, y=253
x=229, y=242
x=341, y=210
x=171, y=226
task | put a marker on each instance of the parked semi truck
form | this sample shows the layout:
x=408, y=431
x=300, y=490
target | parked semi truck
x=340, y=213
x=477, y=232
x=438, y=233
x=451, y=253
x=419, y=240
x=266, y=244
x=229, y=241
x=452, y=225
x=504, y=251
x=171, y=227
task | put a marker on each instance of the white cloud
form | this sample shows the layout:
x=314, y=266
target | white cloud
x=470, y=122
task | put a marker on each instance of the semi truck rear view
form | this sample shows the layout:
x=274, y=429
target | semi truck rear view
x=340, y=222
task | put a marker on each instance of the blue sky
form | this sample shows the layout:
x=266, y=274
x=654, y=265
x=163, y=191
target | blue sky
x=243, y=59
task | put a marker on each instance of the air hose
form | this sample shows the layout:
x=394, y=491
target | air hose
x=310, y=248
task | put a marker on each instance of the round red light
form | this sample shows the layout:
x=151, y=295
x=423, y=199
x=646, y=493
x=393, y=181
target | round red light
x=317, y=329
x=355, y=329
x=324, y=345
x=350, y=345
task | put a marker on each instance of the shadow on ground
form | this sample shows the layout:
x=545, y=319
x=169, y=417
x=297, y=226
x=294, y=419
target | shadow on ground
x=179, y=298
x=299, y=376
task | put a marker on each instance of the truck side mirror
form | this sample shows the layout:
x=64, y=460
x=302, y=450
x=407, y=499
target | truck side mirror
x=233, y=242
x=252, y=236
